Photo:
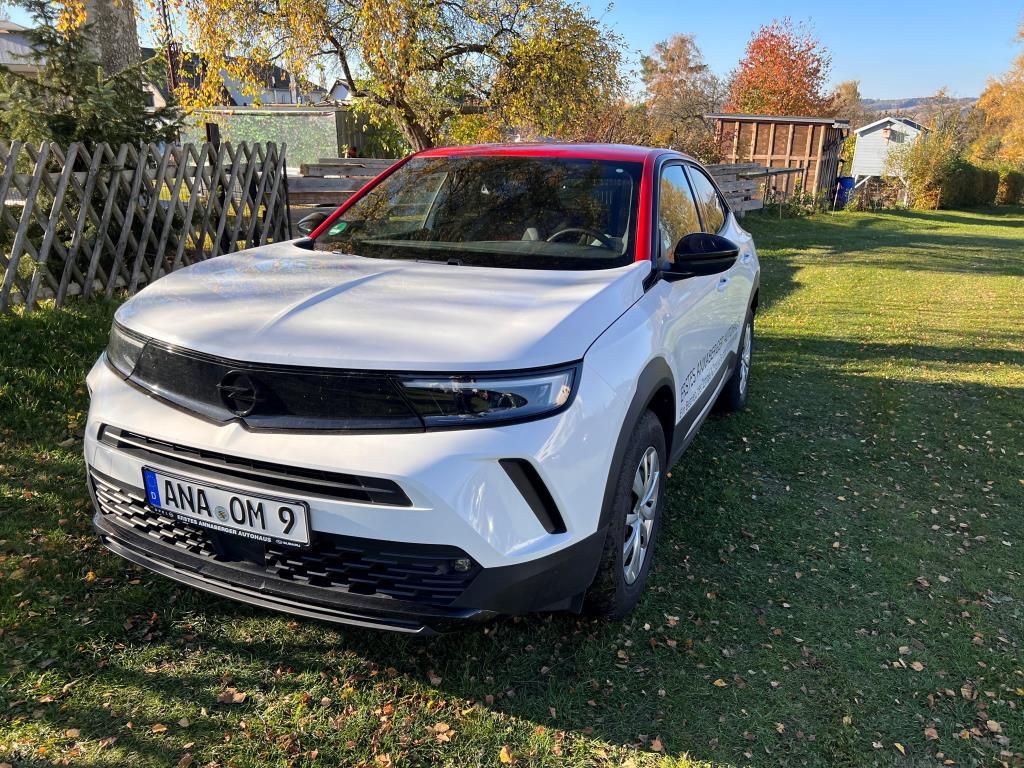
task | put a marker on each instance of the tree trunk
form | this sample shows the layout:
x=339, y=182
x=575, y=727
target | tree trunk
x=413, y=130
x=114, y=34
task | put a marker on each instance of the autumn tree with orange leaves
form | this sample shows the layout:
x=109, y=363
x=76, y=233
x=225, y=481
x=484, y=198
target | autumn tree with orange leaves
x=783, y=73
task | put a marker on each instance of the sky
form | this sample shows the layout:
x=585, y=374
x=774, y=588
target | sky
x=896, y=48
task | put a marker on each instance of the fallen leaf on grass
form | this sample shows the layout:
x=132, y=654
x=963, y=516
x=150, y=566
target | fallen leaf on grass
x=917, y=666
x=505, y=755
x=720, y=683
x=441, y=727
x=993, y=726
x=72, y=733
x=931, y=734
x=109, y=741
x=435, y=679
x=899, y=748
x=231, y=696
x=657, y=746
x=159, y=728
x=185, y=761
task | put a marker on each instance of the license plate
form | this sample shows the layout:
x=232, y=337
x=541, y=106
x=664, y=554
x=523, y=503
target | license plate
x=262, y=518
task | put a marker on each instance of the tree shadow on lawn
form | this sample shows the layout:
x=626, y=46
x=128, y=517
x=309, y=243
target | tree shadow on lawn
x=729, y=642
x=877, y=241
x=1000, y=216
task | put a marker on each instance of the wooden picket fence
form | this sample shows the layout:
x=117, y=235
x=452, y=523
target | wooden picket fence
x=94, y=221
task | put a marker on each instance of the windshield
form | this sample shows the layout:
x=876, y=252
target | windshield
x=496, y=211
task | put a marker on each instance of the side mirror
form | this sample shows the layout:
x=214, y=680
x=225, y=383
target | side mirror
x=308, y=224
x=702, y=254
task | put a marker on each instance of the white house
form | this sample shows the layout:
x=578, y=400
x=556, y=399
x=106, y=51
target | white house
x=875, y=142
x=15, y=48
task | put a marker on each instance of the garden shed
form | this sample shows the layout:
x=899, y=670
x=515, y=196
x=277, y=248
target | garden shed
x=777, y=141
x=877, y=140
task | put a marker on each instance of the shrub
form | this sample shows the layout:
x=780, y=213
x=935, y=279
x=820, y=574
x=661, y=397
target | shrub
x=1011, y=187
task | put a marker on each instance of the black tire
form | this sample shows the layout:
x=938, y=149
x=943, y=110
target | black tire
x=612, y=595
x=733, y=396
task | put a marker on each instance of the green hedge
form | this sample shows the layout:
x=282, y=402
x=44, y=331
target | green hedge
x=967, y=185
x=1011, y=187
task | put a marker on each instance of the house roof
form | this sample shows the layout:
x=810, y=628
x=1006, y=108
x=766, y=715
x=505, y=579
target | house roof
x=778, y=119
x=905, y=120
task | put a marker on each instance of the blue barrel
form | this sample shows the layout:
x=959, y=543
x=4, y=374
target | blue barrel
x=846, y=184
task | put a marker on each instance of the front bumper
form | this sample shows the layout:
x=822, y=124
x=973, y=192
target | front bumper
x=458, y=502
x=250, y=573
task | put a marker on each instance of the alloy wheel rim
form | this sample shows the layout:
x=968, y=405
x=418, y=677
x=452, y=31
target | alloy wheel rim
x=745, y=359
x=640, y=518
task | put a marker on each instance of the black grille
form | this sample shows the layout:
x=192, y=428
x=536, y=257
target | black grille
x=408, y=572
x=129, y=506
x=285, y=397
x=335, y=485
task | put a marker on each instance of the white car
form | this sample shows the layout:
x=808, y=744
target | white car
x=458, y=397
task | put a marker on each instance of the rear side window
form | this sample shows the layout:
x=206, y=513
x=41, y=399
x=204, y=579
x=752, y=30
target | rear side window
x=677, y=214
x=712, y=209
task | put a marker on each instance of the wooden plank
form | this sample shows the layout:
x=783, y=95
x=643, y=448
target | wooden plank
x=181, y=166
x=222, y=221
x=158, y=181
x=747, y=205
x=317, y=198
x=322, y=170
x=52, y=223
x=193, y=184
x=244, y=202
x=212, y=186
x=261, y=188
x=102, y=238
x=142, y=159
x=21, y=236
x=743, y=185
x=713, y=168
x=277, y=192
x=84, y=209
x=303, y=184
x=355, y=162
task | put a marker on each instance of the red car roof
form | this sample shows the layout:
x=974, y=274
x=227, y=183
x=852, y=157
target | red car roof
x=620, y=152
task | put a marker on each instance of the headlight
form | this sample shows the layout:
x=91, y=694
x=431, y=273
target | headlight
x=464, y=400
x=124, y=349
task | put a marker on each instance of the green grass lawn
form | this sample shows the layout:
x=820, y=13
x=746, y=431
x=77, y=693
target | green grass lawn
x=839, y=581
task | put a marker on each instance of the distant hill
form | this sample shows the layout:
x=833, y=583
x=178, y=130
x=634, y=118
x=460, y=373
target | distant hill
x=917, y=107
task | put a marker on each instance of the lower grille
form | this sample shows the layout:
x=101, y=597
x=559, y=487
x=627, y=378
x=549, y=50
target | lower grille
x=409, y=572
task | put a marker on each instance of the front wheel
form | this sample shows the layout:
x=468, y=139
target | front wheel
x=636, y=518
x=734, y=393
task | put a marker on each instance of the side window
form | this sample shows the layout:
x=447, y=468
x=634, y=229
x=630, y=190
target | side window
x=677, y=214
x=712, y=210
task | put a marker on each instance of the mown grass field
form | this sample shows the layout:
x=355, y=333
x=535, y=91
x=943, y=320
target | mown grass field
x=839, y=582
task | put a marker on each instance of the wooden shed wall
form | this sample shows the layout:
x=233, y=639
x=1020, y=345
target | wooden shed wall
x=813, y=147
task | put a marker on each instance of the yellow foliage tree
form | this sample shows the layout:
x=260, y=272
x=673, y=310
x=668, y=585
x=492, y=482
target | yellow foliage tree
x=440, y=69
x=1002, y=104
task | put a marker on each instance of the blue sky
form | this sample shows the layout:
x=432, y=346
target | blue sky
x=896, y=48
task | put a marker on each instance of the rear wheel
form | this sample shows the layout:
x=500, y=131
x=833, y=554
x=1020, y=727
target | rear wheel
x=636, y=518
x=734, y=394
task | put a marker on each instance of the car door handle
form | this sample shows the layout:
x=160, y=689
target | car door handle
x=722, y=283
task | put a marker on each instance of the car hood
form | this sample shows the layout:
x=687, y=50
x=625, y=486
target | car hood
x=281, y=304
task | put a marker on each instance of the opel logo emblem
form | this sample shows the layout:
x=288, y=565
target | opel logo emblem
x=239, y=393
x=222, y=514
